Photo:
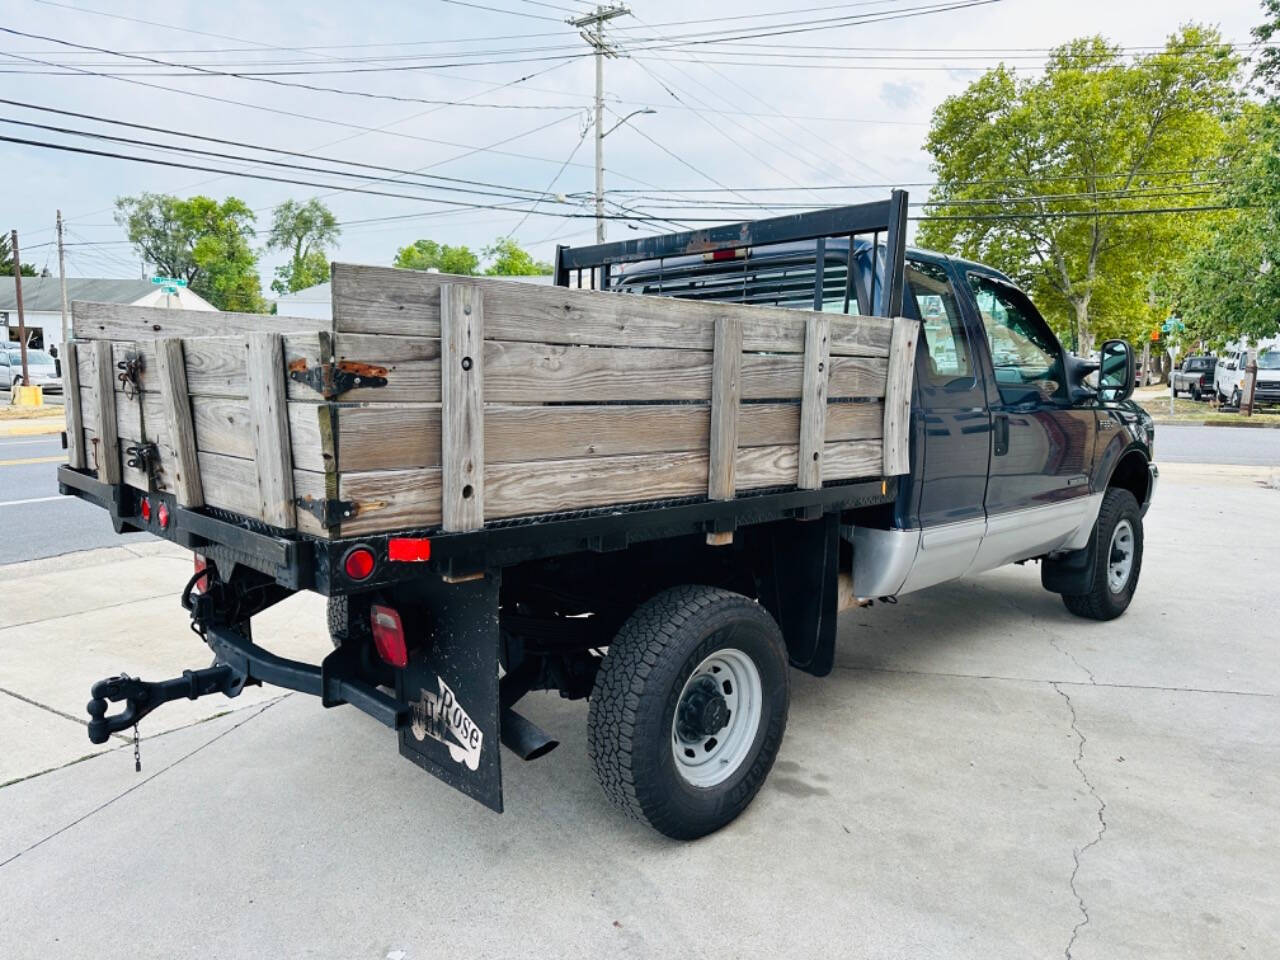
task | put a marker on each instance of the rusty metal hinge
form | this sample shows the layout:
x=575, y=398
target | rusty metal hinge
x=330, y=513
x=334, y=379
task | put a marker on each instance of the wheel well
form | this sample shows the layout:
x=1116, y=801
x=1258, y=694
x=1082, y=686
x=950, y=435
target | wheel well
x=1131, y=474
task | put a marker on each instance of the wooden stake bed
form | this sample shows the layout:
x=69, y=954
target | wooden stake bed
x=434, y=401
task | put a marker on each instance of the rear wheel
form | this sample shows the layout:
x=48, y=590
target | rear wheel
x=339, y=612
x=1195, y=394
x=688, y=709
x=1117, y=543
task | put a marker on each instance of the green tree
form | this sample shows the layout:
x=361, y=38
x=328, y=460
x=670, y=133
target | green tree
x=200, y=240
x=1036, y=175
x=6, y=260
x=305, y=231
x=509, y=259
x=429, y=255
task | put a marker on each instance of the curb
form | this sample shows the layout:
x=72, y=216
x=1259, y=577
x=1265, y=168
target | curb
x=54, y=426
x=1249, y=424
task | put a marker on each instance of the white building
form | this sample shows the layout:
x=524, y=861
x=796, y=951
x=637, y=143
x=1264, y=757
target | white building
x=42, y=302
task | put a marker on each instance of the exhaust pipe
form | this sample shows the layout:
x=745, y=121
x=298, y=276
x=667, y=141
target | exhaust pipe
x=525, y=738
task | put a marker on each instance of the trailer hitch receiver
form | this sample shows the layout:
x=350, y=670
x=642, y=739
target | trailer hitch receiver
x=141, y=697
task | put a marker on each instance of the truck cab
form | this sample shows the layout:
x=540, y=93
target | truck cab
x=1015, y=444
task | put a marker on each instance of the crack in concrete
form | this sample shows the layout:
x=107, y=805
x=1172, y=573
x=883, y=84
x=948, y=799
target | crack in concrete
x=1079, y=852
x=54, y=710
x=1050, y=635
x=141, y=783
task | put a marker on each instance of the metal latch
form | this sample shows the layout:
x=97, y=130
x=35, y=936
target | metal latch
x=144, y=457
x=334, y=379
x=330, y=513
x=130, y=368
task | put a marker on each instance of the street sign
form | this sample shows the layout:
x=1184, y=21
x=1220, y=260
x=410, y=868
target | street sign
x=1172, y=324
x=169, y=281
x=1155, y=335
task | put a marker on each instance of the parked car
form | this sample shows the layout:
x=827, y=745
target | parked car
x=1195, y=377
x=1267, y=389
x=41, y=370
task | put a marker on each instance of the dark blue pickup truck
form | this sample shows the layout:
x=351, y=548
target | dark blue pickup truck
x=676, y=611
x=1015, y=453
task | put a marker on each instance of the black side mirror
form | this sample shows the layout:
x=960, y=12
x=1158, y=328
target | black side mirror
x=1116, y=372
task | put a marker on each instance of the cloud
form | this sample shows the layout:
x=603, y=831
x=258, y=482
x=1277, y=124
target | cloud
x=900, y=94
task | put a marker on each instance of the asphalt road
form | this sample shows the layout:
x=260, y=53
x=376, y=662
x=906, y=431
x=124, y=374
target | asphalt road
x=35, y=521
x=1248, y=446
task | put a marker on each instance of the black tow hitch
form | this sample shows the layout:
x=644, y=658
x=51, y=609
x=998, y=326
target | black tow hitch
x=141, y=697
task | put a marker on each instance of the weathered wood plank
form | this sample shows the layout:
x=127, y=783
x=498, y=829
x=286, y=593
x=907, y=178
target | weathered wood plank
x=897, y=402
x=216, y=365
x=75, y=421
x=777, y=465
x=391, y=500
x=462, y=406
x=114, y=321
x=726, y=384
x=180, y=449
x=813, y=402
x=546, y=373
x=269, y=415
x=231, y=483
x=390, y=301
x=108, y=446
x=394, y=436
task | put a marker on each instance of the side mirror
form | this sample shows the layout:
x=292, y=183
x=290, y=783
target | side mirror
x=1116, y=371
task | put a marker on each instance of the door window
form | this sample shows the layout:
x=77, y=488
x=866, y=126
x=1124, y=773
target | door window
x=1024, y=351
x=929, y=288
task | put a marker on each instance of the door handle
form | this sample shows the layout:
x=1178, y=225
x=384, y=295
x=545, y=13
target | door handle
x=1000, y=427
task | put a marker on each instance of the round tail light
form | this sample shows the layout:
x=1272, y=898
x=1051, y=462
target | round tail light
x=145, y=509
x=359, y=563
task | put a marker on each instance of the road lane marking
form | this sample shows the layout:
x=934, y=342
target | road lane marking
x=60, y=458
x=15, y=503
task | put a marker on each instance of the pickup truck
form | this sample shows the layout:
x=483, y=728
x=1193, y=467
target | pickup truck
x=652, y=486
x=1195, y=377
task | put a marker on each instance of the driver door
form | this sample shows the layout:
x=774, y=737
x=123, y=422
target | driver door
x=1038, y=492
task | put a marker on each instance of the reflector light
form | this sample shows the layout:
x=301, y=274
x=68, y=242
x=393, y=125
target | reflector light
x=735, y=253
x=359, y=563
x=409, y=549
x=388, y=636
x=145, y=509
x=163, y=515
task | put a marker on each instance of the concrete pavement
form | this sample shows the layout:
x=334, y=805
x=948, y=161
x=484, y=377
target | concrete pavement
x=982, y=776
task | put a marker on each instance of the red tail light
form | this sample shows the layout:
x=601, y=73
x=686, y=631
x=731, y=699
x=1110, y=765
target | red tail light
x=201, y=564
x=388, y=636
x=145, y=509
x=409, y=549
x=163, y=515
x=359, y=563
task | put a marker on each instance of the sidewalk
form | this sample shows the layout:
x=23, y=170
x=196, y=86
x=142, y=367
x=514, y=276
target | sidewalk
x=37, y=424
x=69, y=620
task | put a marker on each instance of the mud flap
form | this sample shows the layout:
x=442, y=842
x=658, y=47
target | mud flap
x=452, y=685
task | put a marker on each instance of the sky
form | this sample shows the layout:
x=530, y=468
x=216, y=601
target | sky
x=495, y=94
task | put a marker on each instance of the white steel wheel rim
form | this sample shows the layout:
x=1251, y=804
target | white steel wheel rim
x=706, y=761
x=1120, y=557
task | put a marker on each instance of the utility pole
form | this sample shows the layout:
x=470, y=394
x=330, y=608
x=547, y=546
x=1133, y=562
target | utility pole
x=22, y=320
x=62, y=280
x=596, y=39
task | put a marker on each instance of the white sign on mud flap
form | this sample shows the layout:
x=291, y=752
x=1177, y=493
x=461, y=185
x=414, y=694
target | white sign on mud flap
x=440, y=717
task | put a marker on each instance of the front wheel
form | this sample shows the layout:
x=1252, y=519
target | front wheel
x=1117, y=544
x=688, y=709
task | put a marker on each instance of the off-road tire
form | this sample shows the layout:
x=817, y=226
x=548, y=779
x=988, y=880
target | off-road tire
x=338, y=612
x=1101, y=603
x=637, y=691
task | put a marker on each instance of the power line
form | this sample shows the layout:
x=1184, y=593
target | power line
x=67, y=148
x=509, y=13
x=250, y=146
